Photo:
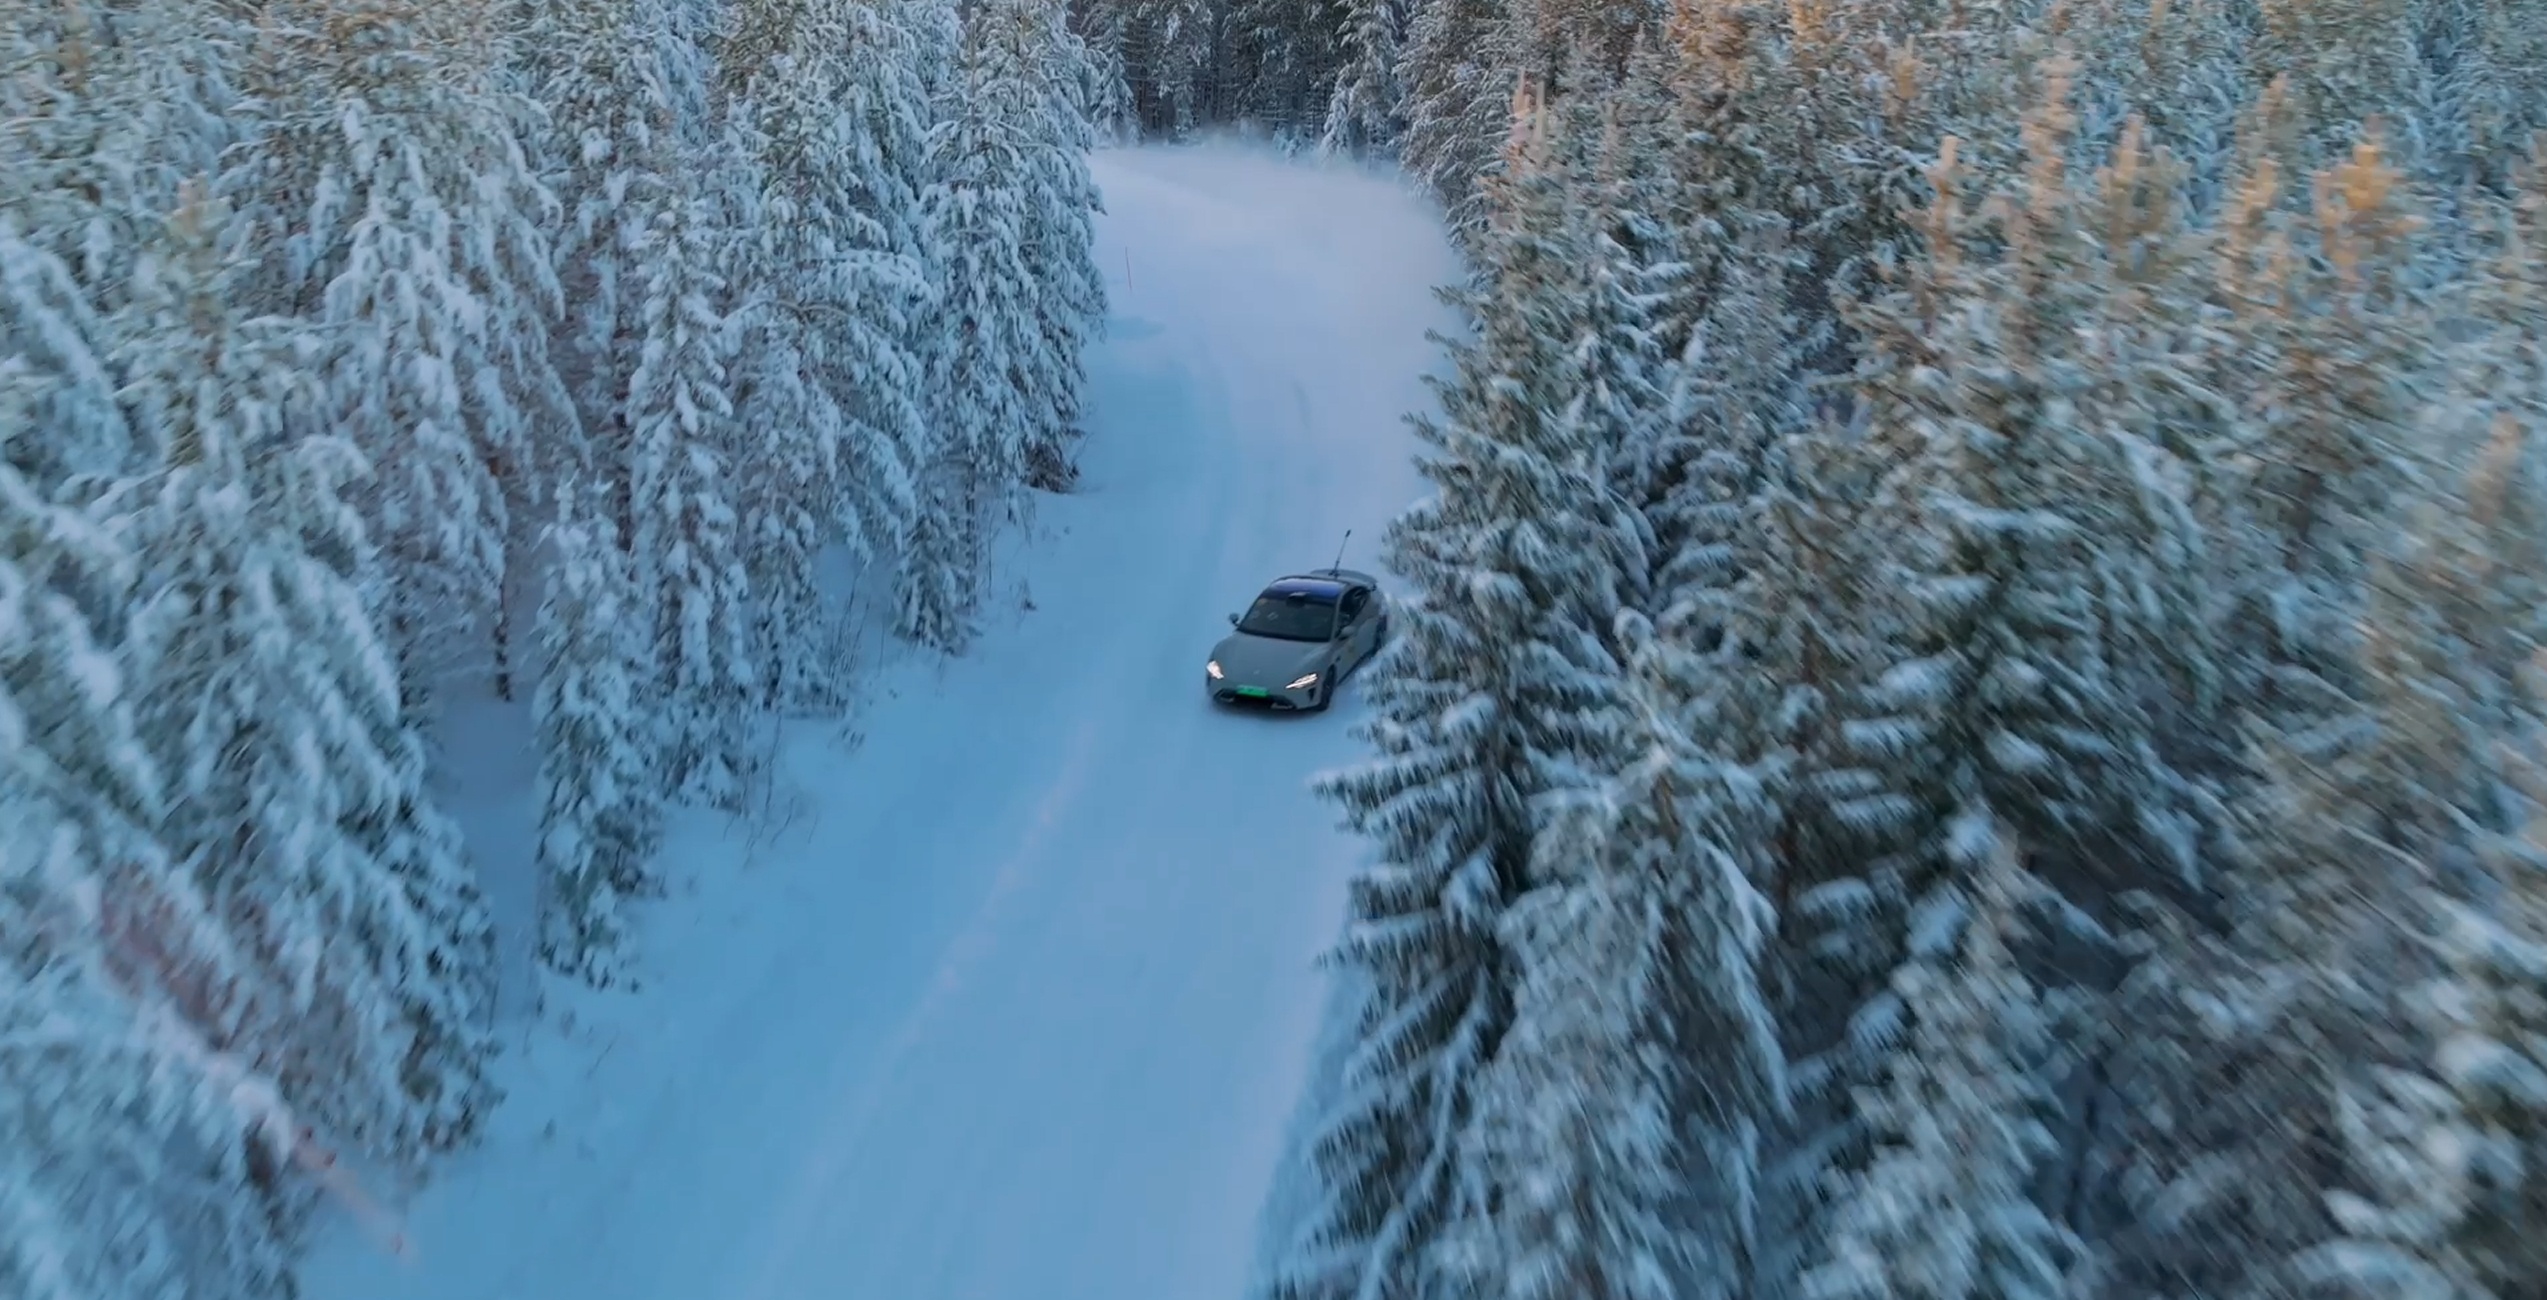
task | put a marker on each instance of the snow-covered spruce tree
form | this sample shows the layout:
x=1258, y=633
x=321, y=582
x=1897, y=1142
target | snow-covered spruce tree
x=2443, y=1150
x=1286, y=56
x=1622, y=379
x=2356, y=850
x=2001, y=697
x=1061, y=207
x=124, y=1148
x=2324, y=326
x=988, y=310
x=296, y=785
x=687, y=457
x=2215, y=1138
x=1364, y=116
x=1498, y=690
x=2348, y=68
x=1619, y=1128
x=108, y=956
x=828, y=386
x=895, y=67
x=608, y=80
x=108, y=109
x=1994, y=689
x=1946, y=1210
x=2446, y=1150
x=394, y=207
x=598, y=729
x=1456, y=71
x=1174, y=55
x=1112, y=112
x=99, y=939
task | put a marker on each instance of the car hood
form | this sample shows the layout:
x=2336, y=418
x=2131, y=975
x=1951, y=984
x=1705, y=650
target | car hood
x=1267, y=661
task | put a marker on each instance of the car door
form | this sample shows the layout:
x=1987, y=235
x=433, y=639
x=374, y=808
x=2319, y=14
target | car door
x=1358, y=626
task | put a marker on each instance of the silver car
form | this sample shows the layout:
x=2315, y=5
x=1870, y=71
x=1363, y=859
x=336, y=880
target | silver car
x=1303, y=635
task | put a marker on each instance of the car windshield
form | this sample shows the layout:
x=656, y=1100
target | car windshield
x=1289, y=617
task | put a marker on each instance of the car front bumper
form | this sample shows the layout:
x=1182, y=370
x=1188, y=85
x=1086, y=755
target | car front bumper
x=1271, y=697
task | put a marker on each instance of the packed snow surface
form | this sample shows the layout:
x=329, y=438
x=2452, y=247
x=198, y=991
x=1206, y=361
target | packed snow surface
x=1012, y=997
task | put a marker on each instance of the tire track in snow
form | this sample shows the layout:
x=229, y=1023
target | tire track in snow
x=975, y=942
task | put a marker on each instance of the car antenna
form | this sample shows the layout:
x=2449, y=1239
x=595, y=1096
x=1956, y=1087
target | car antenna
x=1338, y=566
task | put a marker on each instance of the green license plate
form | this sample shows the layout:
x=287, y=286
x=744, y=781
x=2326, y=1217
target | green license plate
x=1254, y=692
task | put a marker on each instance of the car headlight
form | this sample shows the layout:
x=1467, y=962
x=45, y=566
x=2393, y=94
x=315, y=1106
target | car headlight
x=1213, y=668
x=1304, y=683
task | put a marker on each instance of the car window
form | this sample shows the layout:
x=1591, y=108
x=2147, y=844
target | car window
x=1353, y=602
x=1289, y=618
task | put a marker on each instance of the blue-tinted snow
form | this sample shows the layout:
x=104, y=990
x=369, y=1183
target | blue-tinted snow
x=1014, y=999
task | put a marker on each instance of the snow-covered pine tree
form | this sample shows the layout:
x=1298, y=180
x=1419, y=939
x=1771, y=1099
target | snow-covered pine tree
x=612, y=119
x=1985, y=689
x=108, y=109
x=829, y=388
x=2446, y=1150
x=2444, y=1147
x=123, y=1166
x=1800, y=622
x=598, y=728
x=394, y=206
x=105, y=945
x=872, y=266
x=1946, y=1210
x=1173, y=53
x=1581, y=48
x=686, y=456
x=2443, y=1152
x=1622, y=374
x=2348, y=72
x=2359, y=852
x=1061, y=207
x=1285, y=56
x=1364, y=116
x=2000, y=694
x=2323, y=327
x=1701, y=468
x=1709, y=105
x=1619, y=1128
x=1456, y=71
x=296, y=786
x=1112, y=111
x=2504, y=361
x=989, y=313
x=2353, y=773
x=63, y=434
x=1499, y=689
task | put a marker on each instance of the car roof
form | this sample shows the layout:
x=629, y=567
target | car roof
x=1325, y=591
x=1348, y=577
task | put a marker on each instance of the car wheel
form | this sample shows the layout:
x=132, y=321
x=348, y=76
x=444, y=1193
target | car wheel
x=1326, y=690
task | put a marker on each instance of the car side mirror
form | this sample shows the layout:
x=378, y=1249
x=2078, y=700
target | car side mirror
x=1233, y=620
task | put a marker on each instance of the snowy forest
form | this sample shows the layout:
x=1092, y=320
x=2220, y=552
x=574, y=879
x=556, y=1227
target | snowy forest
x=359, y=353
x=1969, y=721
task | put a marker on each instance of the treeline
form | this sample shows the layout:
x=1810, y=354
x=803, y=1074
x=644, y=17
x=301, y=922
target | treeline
x=1970, y=722
x=358, y=352
x=1425, y=82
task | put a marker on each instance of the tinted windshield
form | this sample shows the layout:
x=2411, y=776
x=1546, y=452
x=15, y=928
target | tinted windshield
x=1289, y=618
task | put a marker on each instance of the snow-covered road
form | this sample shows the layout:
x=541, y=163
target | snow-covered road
x=1015, y=1005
